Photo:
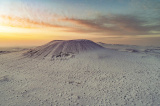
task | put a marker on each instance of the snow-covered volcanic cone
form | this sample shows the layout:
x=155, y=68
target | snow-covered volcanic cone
x=58, y=48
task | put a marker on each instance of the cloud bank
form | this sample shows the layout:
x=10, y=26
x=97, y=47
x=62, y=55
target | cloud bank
x=113, y=24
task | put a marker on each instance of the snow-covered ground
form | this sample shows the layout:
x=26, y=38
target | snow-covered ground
x=132, y=48
x=97, y=78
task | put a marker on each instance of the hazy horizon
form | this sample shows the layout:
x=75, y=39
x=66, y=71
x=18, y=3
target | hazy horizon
x=40, y=43
x=34, y=23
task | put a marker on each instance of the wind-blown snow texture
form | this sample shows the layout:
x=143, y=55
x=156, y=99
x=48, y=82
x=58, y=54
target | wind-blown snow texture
x=56, y=47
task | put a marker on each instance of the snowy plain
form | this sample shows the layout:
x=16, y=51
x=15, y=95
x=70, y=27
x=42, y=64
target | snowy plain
x=105, y=77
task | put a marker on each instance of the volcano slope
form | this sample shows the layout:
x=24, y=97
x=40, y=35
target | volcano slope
x=94, y=78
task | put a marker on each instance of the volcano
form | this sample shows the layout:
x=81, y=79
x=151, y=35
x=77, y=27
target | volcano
x=60, y=48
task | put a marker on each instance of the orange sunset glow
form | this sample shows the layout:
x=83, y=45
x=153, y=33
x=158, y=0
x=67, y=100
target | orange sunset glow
x=23, y=24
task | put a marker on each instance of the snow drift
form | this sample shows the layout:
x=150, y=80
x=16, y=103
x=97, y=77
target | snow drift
x=62, y=48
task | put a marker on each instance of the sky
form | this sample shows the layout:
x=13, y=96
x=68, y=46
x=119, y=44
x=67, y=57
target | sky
x=36, y=22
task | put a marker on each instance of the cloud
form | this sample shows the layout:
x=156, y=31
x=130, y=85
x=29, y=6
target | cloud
x=24, y=22
x=114, y=24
